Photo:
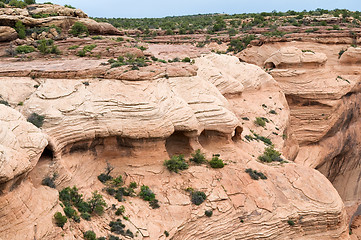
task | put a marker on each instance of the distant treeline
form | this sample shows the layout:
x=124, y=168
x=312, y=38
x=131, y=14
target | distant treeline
x=218, y=22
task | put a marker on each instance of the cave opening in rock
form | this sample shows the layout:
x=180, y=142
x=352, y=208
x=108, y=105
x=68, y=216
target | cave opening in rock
x=47, y=154
x=213, y=139
x=237, y=134
x=178, y=143
x=270, y=65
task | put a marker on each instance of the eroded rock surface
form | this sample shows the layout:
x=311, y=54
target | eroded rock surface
x=136, y=124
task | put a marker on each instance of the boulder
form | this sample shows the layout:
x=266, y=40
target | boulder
x=7, y=34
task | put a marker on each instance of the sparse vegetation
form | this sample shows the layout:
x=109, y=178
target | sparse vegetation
x=60, y=220
x=342, y=51
x=198, y=197
x=255, y=175
x=176, y=163
x=90, y=235
x=46, y=46
x=50, y=181
x=291, y=223
x=198, y=157
x=257, y=137
x=216, y=162
x=24, y=49
x=36, y=119
x=6, y=103
x=270, y=155
x=20, y=29
x=261, y=121
x=79, y=29
x=208, y=213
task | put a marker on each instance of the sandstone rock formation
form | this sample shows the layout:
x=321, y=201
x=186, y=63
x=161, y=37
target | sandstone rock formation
x=57, y=15
x=7, y=34
x=135, y=125
x=289, y=56
x=352, y=55
x=324, y=104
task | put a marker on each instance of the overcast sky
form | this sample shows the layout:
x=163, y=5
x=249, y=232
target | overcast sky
x=162, y=8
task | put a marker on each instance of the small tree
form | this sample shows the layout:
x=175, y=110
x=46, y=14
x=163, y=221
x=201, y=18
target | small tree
x=90, y=235
x=97, y=203
x=78, y=29
x=20, y=29
x=198, y=157
x=29, y=2
x=60, y=220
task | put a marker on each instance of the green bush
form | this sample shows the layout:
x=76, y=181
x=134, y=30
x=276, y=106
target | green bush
x=112, y=237
x=255, y=175
x=69, y=6
x=73, y=47
x=270, y=155
x=17, y=4
x=78, y=29
x=117, y=227
x=208, y=213
x=60, y=220
x=81, y=53
x=187, y=59
x=291, y=223
x=70, y=212
x=104, y=177
x=216, y=162
x=120, y=210
x=198, y=197
x=48, y=47
x=29, y=2
x=20, y=29
x=90, y=235
x=198, y=157
x=154, y=204
x=342, y=51
x=146, y=194
x=36, y=119
x=133, y=185
x=260, y=121
x=86, y=216
x=96, y=203
x=166, y=233
x=176, y=163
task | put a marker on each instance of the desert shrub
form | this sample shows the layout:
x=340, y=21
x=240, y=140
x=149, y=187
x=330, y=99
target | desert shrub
x=36, y=119
x=166, y=233
x=69, y=6
x=255, y=175
x=216, y=162
x=70, y=212
x=89, y=48
x=60, y=220
x=261, y=121
x=117, y=227
x=119, y=39
x=86, y=216
x=198, y=197
x=29, y=2
x=96, y=203
x=133, y=185
x=118, y=181
x=154, y=203
x=257, y=137
x=186, y=59
x=73, y=47
x=291, y=223
x=120, y=210
x=237, y=45
x=270, y=155
x=208, y=213
x=198, y=157
x=273, y=112
x=20, y=29
x=2, y=5
x=81, y=53
x=97, y=37
x=17, y=4
x=24, y=49
x=49, y=181
x=6, y=103
x=90, y=235
x=46, y=46
x=342, y=51
x=78, y=29
x=176, y=163
x=112, y=237
x=146, y=194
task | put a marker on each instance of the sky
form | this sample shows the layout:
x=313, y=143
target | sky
x=163, y=8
